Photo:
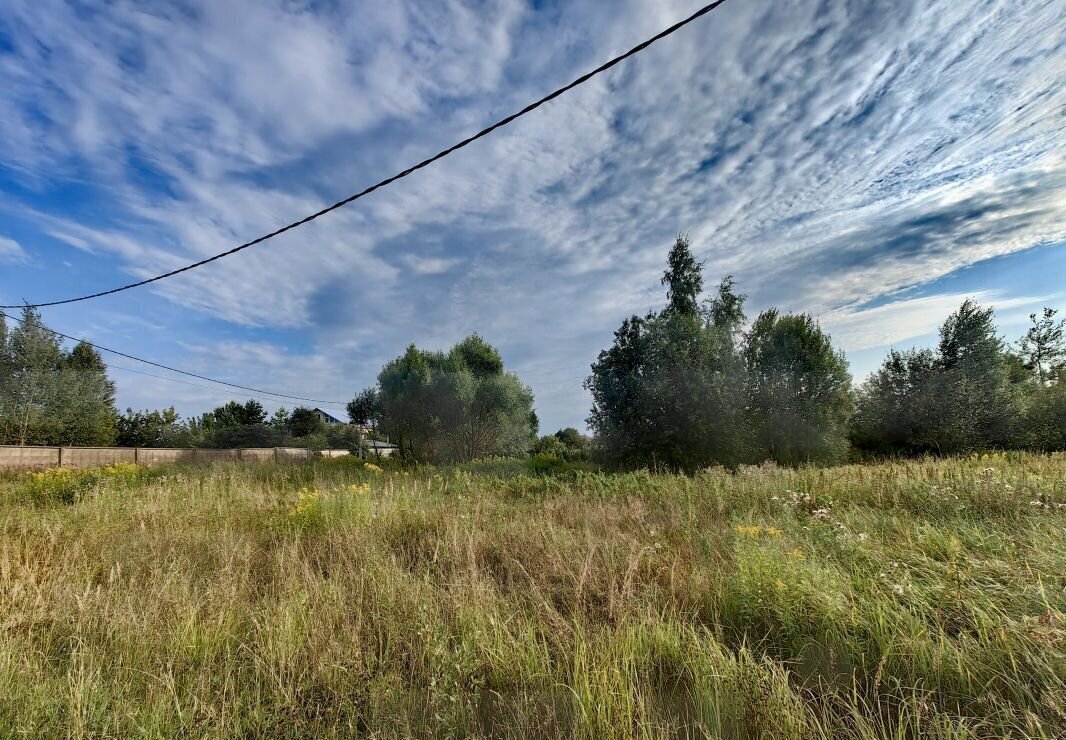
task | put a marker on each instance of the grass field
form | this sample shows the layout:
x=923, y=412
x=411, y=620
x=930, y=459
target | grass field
x=906, y=600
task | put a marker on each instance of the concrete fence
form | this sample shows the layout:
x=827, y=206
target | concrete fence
x=15, y=457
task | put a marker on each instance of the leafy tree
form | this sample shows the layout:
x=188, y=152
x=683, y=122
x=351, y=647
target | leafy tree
x=725, y=310
x=458, y=405
x=683, y=279
x=246, y=435
x=670, y=389
x=566, y=444
x=85, y=399
x=235, y=414
x=897, y=408
x=160, y=428
x=1043, y=348
x=7, y=386
x=978, y=408
x=34, y=360
x=280, y=419
x=799, y=390
x=572, y=438
x=304, y=421
x=966, y=395
x=365, y=409
x=1045, y=418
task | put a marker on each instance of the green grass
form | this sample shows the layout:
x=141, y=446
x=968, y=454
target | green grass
x=908, y=600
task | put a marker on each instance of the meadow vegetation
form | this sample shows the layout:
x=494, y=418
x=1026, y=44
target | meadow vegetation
x=908, y=599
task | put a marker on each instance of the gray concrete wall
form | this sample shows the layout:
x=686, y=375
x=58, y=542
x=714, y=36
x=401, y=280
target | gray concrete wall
x=160, y=455
x=95, y=457
x=28, y=457
x=22, y=458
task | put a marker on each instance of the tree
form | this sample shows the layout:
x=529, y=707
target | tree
x=160, y=428
x=280, y=419
x=304, y=422
x=1043, y=348
x=683, y=278
x=1045, y=418
x=978, y=408
x=235, y=414
x=458, y=405
x=966, y=395
x=725, y=310
x=565, y=444
x=85, y=399
x=670, y=389
x=7, y=386
x=365, y=409
x=34, y=361
x=897, y=410
x=799, y=390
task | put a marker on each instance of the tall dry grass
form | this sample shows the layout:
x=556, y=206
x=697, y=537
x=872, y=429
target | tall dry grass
x=918, y=599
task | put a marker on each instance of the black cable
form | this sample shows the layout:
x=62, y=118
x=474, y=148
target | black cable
x=424, y=163
x=123, y=368
x=171, y=369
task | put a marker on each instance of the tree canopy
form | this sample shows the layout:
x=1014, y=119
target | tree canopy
x=459, y=405
x=49, y=395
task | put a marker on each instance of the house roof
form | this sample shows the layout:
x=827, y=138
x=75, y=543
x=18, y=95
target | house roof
x=329, y=417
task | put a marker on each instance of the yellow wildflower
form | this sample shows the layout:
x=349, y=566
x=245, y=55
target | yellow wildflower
x=798, y=554
x=750, y=531
x=307, y=501
x=360, y=488
x=372, y=468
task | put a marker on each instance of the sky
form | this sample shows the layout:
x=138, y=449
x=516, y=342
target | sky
x=871, y=162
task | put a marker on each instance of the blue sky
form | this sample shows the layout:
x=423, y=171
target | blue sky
x=870, y=162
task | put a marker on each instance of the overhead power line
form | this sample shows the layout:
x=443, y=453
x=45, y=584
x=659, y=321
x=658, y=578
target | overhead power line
x=400, y=175
x=123, y=368
x=259, y=391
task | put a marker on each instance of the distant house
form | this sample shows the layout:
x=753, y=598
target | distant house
x=326, y=417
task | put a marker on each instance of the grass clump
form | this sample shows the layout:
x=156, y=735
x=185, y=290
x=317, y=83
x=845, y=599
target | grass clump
x=910, y=599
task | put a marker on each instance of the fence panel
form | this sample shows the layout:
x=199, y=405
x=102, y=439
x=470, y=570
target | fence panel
x=94, y=457
x=14, y=457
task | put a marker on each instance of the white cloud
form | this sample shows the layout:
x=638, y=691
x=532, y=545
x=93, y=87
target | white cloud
x=12, y=252
x=907, y=319
x=827, y=154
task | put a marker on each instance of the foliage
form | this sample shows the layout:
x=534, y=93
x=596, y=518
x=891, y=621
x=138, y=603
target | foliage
x=566, y=444
x=966, y=396
x=48, y=395
x=897, y=410
x=365, y=409
x=683, y=279
x=304, y=422
x=161, y=428
x=454, y=406
x=1045, y=418
x=799, y=390
x=670, y=391
x=236, y=414
x=1043, y=348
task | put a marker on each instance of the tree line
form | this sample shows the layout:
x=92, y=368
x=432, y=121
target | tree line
x=51, y=396
x=691, y=385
